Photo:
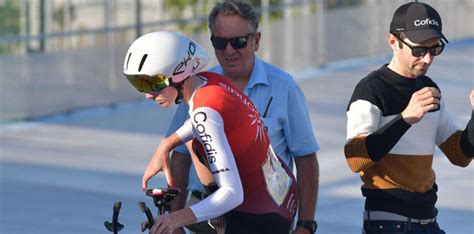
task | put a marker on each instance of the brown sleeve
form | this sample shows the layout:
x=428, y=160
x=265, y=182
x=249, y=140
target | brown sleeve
x=452, y=149
x=356, y=154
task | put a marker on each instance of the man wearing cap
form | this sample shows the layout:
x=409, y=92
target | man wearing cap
x=395, y=118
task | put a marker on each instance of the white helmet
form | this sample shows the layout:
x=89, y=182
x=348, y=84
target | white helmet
x=166, y=54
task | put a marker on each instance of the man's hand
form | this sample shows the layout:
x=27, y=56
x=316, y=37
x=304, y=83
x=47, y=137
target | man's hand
x=159, y=162
x=300, y=230
x=472, y=98
x=421, y=102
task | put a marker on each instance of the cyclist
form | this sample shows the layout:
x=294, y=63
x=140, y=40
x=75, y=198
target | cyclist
x=250, y=185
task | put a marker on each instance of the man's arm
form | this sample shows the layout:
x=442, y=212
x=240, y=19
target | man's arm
x=179, y=160
x=307, y=178
x=301, y=141
x=459, y=145
x=180, y=164
x=467, y=139
x=369, y=143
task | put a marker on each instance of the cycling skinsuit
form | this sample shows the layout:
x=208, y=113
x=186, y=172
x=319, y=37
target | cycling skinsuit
x=229, y=133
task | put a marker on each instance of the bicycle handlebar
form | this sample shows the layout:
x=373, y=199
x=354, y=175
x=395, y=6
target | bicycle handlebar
x=115, y=226
x=162, y=192
x=161, y=198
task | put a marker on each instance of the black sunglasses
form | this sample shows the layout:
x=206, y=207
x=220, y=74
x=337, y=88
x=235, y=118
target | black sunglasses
x=420, y=51
x=236, y=42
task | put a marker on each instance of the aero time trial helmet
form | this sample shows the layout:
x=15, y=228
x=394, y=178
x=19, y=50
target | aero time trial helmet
x=160, y=59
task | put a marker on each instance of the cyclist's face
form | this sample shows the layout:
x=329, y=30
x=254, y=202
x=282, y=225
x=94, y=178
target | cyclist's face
x=237, y=63
x=164, y=97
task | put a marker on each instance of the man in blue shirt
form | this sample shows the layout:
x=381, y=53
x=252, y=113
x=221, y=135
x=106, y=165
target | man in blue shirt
x=275, y=94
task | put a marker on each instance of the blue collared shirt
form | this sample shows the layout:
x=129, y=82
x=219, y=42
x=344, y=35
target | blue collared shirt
x=286, y=116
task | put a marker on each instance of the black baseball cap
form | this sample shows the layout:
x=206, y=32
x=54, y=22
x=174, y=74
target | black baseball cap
x=418, y=21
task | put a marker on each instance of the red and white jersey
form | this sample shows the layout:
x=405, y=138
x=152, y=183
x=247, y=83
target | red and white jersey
x=234, y=142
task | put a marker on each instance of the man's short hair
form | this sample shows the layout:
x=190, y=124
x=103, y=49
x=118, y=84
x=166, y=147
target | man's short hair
x=234, y=7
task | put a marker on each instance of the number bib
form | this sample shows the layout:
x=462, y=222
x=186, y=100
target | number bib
x=278, y=182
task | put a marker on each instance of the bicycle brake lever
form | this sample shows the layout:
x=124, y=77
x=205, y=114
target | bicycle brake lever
x=150, y=221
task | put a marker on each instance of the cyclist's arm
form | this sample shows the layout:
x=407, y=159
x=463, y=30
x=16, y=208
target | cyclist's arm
x=209, y=127
x=159, y=160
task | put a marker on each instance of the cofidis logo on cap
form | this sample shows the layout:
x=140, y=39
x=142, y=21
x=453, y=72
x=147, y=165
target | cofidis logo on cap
x=426, y=21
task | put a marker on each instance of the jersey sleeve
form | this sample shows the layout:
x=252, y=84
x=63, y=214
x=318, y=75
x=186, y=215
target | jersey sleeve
x=208, y=128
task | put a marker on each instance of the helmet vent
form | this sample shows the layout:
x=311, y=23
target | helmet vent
x=128, y=59
x=142, y=62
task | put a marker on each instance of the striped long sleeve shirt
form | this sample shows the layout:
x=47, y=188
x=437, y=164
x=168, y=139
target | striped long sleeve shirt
x=393, y=158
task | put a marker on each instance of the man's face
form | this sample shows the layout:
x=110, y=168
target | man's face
x=237, y=63
x=413, y=66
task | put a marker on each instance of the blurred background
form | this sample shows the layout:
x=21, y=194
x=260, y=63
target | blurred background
x=75, y=136
x=74, y=49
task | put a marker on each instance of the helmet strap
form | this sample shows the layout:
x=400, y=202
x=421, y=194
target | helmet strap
x=179, y=98
x=179, y=88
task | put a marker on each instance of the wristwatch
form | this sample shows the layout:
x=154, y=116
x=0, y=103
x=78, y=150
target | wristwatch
x=311, y=225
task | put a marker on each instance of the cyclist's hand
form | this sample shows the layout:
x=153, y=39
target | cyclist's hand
x=163, y=225
x=173, y=221
x=159, y=162
x=471, y=97
x=421, y=102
